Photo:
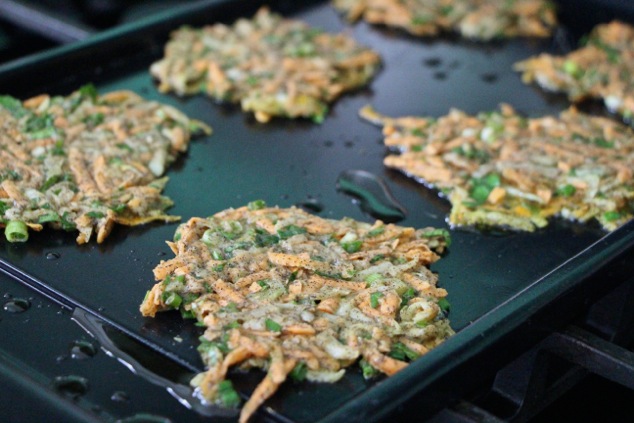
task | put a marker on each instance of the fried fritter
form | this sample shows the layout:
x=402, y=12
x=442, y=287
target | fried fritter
x=85, y=162
x=500, y=169
x=272, y=66
x=602, y=68
x=475, y=19
x=302, y=296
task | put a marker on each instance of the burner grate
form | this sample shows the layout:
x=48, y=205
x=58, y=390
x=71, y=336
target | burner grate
x=593, y=347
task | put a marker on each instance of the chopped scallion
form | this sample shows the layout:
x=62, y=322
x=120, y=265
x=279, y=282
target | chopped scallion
x=89, y=91
x=124, y=146
x=407, y=295
x=256, y=205
x=207, y=238
x=444, y=305
x=232, y=325
x=290, y=230
x=438, y=232
x=376, y=258
x=376, y=231
x=173, y=300
x=55, y=179
x=265, y=239
x=118, y=208
x=217, y=255
x=373, y=277
x=187, y=314
x=272, y=325
x=366, y=368
x=299, y=372
x=374, y=299
x=573, y=69
x=93, y=120
x=95, y=215
x=66, y=223
x=482, y=187
x=611, y=216
x=229, y=308
x=352, y=247
x=603, y=143
x=227, y=395
x=13, y=105
x=402, y=352
x=48, y=217
x=566, y=190
x=16, y=231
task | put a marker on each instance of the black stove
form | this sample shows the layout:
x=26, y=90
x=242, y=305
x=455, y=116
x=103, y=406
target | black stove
x=66, y=21
x=16, y=42
x=583, y=372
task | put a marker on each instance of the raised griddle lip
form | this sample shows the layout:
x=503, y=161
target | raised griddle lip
x=156, y=23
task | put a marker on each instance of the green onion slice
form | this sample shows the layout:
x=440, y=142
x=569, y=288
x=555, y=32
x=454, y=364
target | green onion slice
x=227, y=395
x=16, y=231
x=272, y=325
x=374, y=299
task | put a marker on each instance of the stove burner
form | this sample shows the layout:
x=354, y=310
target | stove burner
x=594, y=347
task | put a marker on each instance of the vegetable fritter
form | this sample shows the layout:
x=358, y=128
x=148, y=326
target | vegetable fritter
x=475, y=19
x=86, y=161
x=500, y=169
x=602, y=68
x=272, y=66
x=302, y=296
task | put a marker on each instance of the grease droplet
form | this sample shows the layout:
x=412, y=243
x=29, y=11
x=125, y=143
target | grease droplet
x=53, y=256
x=440, y=76
x=120, y=396
x=145, y=418
x=372, y=194
x=329, y=143
x=17, y=305
x=311, y=205
x=71, y=386
x=150, y=365
x=432, y=62
x=82, y=350
x=489, y=78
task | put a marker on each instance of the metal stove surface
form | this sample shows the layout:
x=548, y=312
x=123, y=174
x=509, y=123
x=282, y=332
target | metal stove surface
x=16, y=42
